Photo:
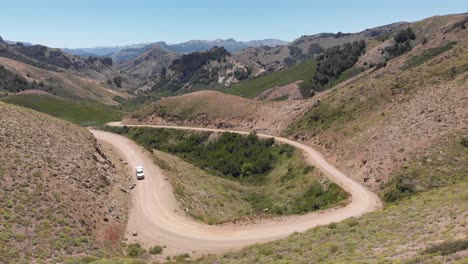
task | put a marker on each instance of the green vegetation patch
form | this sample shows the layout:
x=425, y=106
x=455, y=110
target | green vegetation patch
x=334, y=61
x=426, y=55
x=447, y=248
x=229, y=155
x=300, y=72
x=81, y=113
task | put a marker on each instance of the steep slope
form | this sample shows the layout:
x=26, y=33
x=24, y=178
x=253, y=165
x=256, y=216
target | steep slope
x=57, y=190
x=277, y=58
x=148, y=65
x=54, y=59
x=97, y=69
x=217, y=110
x=377, y=121
x=63, y=84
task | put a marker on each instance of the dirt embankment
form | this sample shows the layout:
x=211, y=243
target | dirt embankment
x=286, y=92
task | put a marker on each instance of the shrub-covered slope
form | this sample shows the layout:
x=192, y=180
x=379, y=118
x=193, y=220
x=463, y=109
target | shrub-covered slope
x=55, y=190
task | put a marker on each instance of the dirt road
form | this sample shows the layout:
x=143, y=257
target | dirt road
x=159, y=221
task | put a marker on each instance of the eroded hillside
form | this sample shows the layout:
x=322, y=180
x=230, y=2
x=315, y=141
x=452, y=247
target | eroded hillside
x=218, y=110
x=57, y=198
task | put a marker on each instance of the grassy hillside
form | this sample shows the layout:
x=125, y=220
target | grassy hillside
x=212, y=192
x=55, y=192
x=81, y=113
x=303, y=71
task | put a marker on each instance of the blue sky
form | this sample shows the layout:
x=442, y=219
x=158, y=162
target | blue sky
x=86, y=23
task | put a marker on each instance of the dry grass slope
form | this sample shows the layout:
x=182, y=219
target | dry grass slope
x=373, y=124
x=55, y=191
x=218, y=110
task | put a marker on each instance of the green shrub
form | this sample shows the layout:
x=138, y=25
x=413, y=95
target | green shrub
x=156, y=250
x=402, y=43
x=182, y=257
x=425, y=56
x=399, y=187
x=135, y=250
x=352, y=222
x=447, y=248
x=333, y=248
x=464, y=141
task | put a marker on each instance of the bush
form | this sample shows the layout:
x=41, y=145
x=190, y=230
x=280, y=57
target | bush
x=156, y=250
x=464, y=141
x=135, y=250
x=182, y=257
x=399, y=187
x=352, y=222
x=426, y=55
x=447, y=248
x=402, y=43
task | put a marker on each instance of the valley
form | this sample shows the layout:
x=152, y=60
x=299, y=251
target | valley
x=160, y=226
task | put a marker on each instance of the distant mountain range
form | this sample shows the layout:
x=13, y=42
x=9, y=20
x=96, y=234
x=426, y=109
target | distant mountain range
x=186, y=47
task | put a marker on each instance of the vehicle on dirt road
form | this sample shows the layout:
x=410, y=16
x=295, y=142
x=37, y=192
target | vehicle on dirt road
x=139, y=173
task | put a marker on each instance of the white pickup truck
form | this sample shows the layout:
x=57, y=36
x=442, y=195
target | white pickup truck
x=139, y=173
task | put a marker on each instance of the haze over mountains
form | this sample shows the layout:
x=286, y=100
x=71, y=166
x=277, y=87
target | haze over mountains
x=186, y=47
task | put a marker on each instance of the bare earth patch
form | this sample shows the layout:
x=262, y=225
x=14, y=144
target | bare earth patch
x=288, y=92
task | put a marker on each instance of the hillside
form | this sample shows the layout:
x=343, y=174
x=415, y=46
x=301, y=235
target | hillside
x=84, y=113
x=67, y=75
x=64, y=84
x=389, y=114
x=240, y=65
x=58, y=197
x=148, y=65
x=218, y=110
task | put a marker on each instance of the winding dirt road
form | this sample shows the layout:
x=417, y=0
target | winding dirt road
x=158, y=220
